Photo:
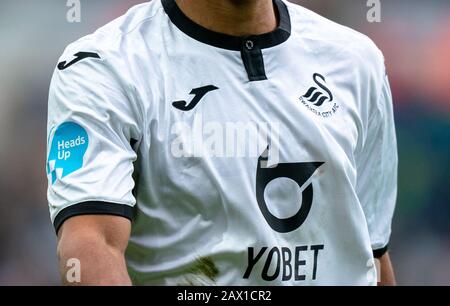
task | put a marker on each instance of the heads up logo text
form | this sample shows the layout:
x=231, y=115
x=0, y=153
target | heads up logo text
x=67, y=150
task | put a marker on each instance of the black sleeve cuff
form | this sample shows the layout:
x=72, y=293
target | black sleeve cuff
x=380, y=252
x=93, y=208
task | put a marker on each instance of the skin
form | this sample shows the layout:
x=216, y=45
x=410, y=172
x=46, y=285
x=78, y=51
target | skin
x=232, y=17
x=387, y=275
x=99, y=242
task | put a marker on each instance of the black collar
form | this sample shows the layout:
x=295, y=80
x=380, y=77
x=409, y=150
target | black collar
x=220, y=40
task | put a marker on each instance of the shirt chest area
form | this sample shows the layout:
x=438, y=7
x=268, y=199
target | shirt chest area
x=218, y=120
x=222, y=136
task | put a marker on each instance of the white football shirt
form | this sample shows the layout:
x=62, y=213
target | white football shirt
x=259, y=160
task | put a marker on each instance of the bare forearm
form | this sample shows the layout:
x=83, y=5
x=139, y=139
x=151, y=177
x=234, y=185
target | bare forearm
x=100, y=264
x=94, y=247
x=387, y=275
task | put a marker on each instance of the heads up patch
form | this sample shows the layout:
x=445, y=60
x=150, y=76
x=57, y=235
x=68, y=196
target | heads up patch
x=69, y=144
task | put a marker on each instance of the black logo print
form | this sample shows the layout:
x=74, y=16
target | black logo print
x=315, y=95
x=199, y=94
x=78, y=57
x=298, y=172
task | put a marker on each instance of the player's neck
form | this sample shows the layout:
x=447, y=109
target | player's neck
x=232, y=17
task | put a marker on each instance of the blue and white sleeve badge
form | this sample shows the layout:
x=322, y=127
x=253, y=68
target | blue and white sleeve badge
x=68, y=147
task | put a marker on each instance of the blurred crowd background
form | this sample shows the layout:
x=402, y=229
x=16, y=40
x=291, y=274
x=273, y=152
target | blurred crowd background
x=413, y=34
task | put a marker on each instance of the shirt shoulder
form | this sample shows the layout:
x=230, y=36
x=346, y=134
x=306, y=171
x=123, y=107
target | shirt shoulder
x=117, y=39
x=340, y=42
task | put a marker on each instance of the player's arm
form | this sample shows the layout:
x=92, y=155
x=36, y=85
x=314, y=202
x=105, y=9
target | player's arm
x=94, y=128
x=377, y=163
x=387, y=276
x=99, y=243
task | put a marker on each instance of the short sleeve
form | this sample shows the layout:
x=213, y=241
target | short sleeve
x=377, y=171
x=92, y=128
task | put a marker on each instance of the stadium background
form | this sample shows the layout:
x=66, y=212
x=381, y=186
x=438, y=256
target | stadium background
x=413, y=34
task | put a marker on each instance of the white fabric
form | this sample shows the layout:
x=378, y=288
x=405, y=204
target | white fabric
x=197, y=214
